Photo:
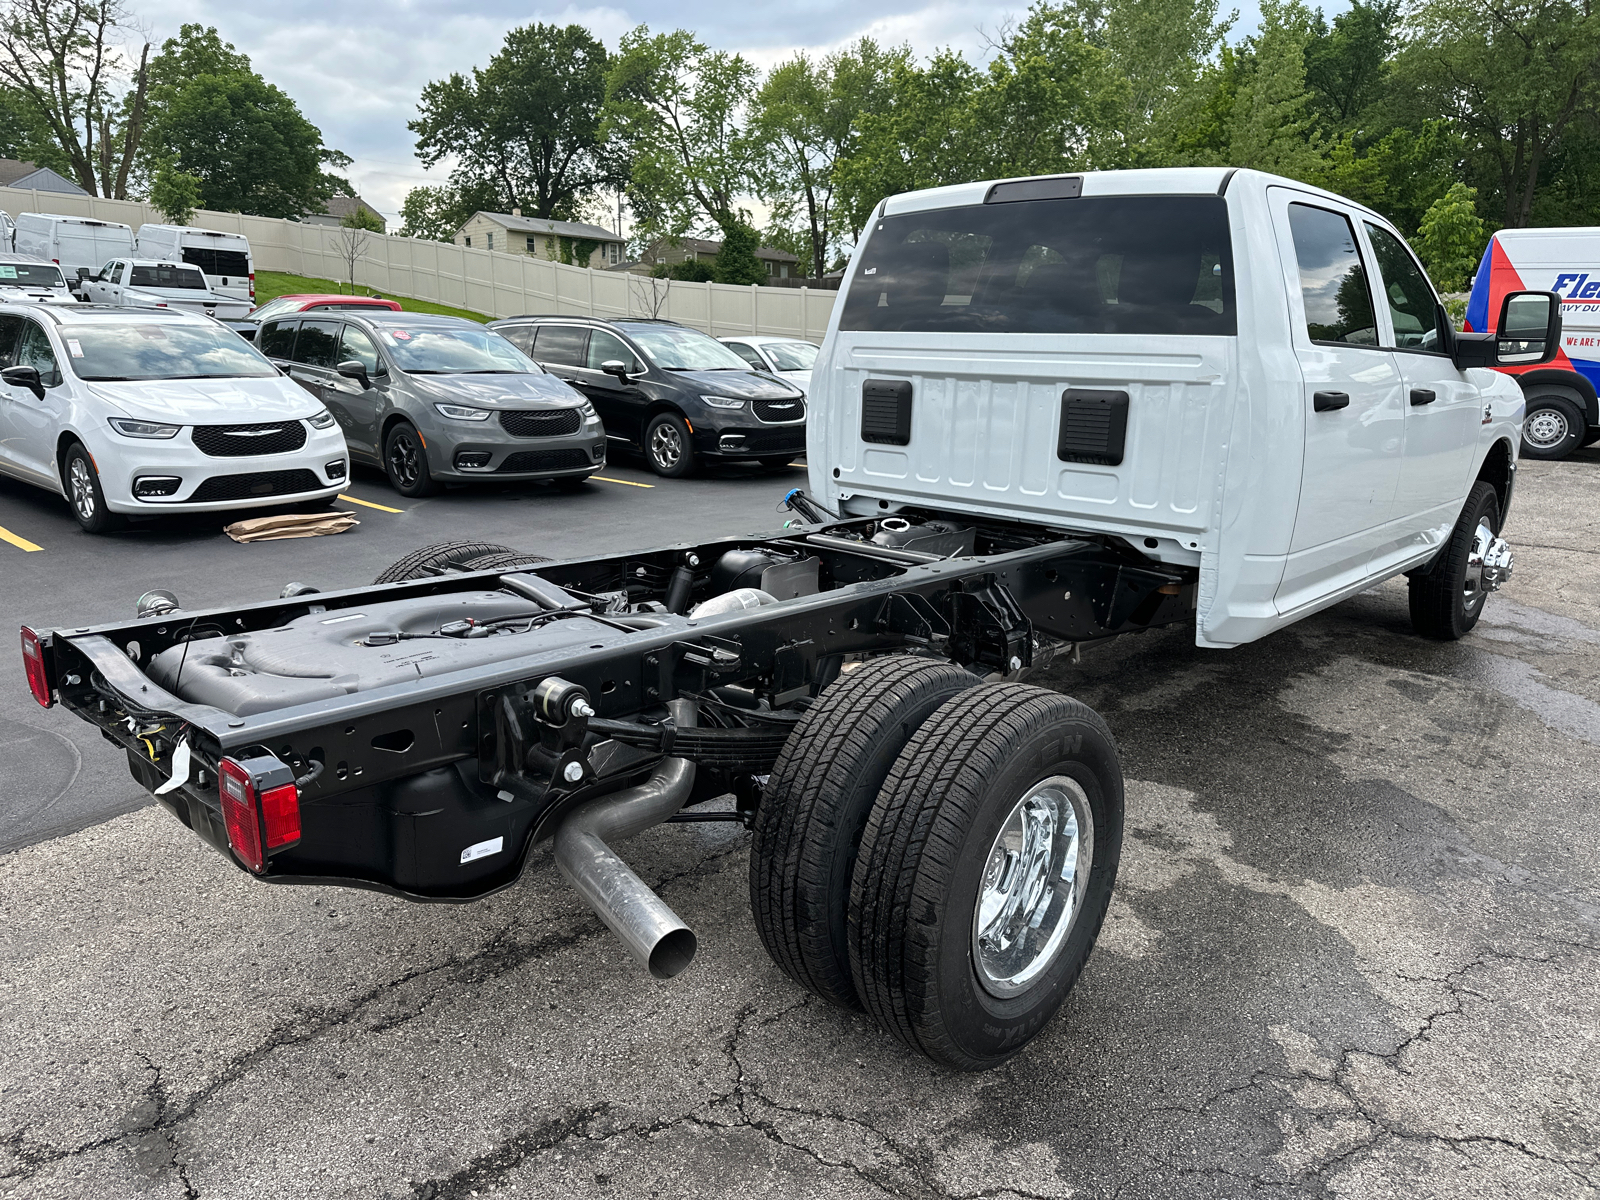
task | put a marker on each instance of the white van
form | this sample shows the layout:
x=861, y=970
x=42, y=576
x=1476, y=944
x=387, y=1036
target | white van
x=223, y=258
x=72, y=242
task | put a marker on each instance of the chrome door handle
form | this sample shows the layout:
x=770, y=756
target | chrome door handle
x=1328, y=401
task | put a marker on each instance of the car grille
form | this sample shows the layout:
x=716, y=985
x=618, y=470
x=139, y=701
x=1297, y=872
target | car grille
x=787, y=441
x=548, y=423
x=240, y=441
x=260, y=483
x=525, y=461
x=779, y=410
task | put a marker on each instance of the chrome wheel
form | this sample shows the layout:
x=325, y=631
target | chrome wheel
x=405, y=460
x=80, y=483
x=1033, y=886
x=1488, y=566
x=666, y=446
x=1545, y=428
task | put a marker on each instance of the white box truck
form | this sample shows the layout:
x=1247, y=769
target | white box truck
x=223, y=258
x=72, y=242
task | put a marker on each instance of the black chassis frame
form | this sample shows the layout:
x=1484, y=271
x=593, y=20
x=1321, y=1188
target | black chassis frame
x=473, y=739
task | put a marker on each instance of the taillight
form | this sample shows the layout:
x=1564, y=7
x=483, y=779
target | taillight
x=252, y=287
x=33, y=663
x=261, y=806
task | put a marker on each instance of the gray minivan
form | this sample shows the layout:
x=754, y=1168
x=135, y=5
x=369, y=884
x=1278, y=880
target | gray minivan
x=433, y=399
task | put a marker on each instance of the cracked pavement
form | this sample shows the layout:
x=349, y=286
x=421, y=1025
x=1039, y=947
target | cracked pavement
x=1354, y=952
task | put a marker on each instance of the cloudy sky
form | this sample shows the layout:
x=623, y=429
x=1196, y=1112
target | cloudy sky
x=356, y=67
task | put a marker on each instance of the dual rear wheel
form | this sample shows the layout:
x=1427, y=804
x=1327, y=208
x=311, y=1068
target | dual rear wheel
x=941, y=853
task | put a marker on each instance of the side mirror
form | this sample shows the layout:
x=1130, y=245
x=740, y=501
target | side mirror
x=24, y=377
x=1527, y=333
x=351, y=369
x=615, y=366
x=84, y=273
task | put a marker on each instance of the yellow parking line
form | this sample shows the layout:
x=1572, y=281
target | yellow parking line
x=370, y=504
x=21, y=543
x=628, y=482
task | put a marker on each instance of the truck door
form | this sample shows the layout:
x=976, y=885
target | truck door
x=1443, y=409
x=1351, y=403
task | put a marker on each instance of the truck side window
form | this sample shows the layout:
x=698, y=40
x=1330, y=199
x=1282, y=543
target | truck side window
x=1413, y=308
x=1333, y=280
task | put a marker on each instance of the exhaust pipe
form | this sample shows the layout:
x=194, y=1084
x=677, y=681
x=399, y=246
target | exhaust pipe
x=652, y=932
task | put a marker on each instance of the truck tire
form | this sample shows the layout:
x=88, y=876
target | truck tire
x=81, y=481
x=405, y=462
x=417, y=564
x=815, y=804
x=985, y=872
x=668, y=446
x=502, y=559
x=1445, y=601
x=1554, y=426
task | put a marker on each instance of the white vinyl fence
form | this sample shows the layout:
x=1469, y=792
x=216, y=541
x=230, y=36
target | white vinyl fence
x=485, y=281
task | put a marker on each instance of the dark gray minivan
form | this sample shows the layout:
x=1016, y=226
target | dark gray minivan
x=433, y=399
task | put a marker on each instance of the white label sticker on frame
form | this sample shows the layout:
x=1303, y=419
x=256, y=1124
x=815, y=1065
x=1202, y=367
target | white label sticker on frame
x=483, y=849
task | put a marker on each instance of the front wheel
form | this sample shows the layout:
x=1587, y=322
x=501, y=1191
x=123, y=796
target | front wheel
x=1554, y=425
x=405, y=461
x=85, y=494
x=668, y=446
x=985, y=872
x=1448, y=598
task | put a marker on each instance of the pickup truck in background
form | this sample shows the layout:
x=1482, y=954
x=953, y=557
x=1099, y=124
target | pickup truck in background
x=1047, y=411
x=144, y=283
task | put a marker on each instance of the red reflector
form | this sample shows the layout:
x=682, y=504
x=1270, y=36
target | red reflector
x=239, y=811
x=33, y=663
x=280, y=809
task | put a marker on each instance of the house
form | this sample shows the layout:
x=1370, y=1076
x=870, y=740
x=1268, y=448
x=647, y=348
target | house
x=780, y=264
x=338, y=208
x=15, y=173
x=513, y=233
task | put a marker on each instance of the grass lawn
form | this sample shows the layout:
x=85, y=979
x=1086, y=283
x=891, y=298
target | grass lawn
x=271, y=284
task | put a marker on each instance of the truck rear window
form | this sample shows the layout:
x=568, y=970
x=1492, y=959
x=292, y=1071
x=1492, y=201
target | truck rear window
x=217, y=262
x=1110, y=264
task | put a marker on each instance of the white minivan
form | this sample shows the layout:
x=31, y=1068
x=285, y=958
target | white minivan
x=146, y=411
x=72, y=242
x=223, y=258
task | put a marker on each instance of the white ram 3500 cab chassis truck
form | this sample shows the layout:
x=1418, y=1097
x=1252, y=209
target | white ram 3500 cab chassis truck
x=1227, y=369
x=1048, y=411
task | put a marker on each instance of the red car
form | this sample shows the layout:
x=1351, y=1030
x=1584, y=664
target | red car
x=278, y=305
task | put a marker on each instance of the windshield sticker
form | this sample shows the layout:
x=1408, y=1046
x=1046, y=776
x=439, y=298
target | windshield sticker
x=400, y=335
x=74, y=345
x=7, y=272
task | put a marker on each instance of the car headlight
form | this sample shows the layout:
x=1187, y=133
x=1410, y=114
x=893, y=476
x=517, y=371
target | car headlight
x=460, y=412
x=587, y=410
x=723, y=401
x=129, y=427
x=321, y=420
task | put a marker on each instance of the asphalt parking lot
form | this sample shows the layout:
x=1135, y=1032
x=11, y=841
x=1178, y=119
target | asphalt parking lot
x=1355, y=949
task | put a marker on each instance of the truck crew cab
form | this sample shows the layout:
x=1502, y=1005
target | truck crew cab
x=1047, y=411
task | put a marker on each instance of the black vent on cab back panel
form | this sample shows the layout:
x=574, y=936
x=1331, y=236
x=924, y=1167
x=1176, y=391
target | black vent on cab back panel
x=1094, y=425
x=886, y=411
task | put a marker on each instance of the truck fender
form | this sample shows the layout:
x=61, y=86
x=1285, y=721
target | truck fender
x=1572, y=380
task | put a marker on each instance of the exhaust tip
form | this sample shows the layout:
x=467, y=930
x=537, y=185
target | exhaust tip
x=673, y=953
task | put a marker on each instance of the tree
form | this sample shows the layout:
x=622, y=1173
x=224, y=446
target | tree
x=648, y=294
x=1515, y=78
x=361, y=217
x=525, y=129
x=175, y=194
x=437, y=212
x=62, y=59
x=679, y=109
x=1451, y=238
x=805, y=116
x=246, y=141
x=736, y=260
x=1346, y=65
x=351, y=247
x=1270, y=128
